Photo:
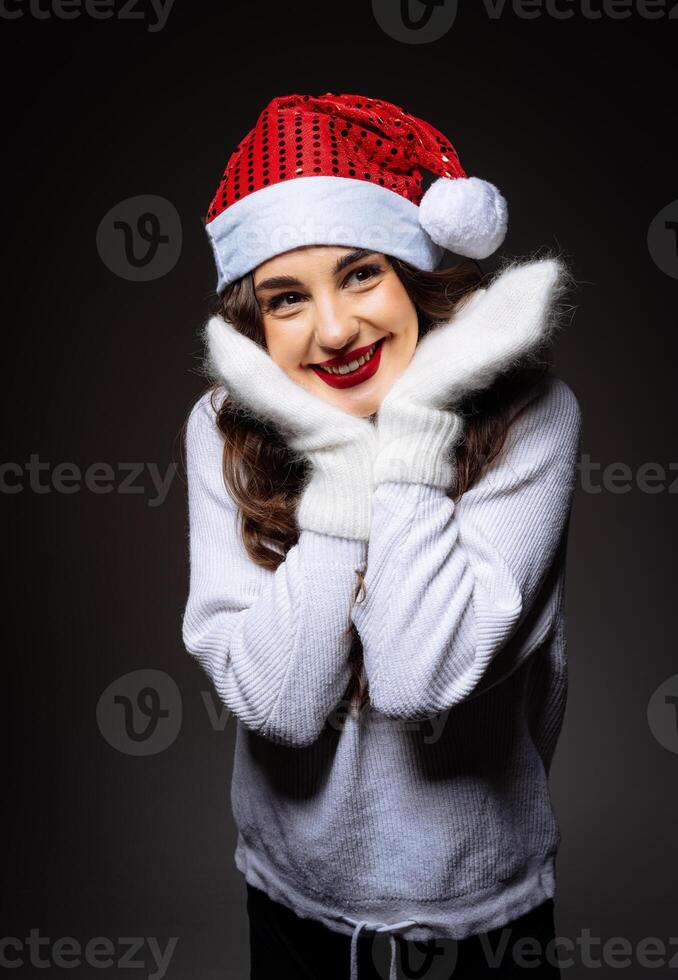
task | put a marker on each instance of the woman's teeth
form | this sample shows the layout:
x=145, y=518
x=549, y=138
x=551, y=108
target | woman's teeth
x=352, y=365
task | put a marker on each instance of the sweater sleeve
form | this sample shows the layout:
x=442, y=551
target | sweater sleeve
x=274, y=643
x=448, y=585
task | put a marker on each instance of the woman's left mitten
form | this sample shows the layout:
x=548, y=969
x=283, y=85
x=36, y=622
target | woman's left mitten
x=496, y=329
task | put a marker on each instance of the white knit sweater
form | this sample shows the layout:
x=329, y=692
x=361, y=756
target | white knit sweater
x=430, y=813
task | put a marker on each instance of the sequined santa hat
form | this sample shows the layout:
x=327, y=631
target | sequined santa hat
x=346, y=170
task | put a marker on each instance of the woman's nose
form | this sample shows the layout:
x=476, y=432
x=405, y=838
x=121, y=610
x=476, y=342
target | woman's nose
x=333, y=331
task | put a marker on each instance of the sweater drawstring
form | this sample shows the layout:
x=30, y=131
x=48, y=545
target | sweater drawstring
x=390, y=928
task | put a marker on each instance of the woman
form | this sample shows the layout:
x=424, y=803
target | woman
x=380, y=481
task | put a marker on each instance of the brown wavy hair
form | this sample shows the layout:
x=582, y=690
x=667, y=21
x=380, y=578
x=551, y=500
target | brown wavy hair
x=265, y=480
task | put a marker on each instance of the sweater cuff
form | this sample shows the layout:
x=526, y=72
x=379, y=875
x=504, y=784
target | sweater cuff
x=416, y=445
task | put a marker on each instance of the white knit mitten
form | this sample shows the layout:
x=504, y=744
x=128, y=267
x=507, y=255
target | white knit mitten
x=417, y=425
x=337, y=497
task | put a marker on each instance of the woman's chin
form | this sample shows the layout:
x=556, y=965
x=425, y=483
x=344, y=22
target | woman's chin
x=361, y=405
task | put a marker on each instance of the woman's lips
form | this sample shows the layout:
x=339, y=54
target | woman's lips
x=353, y=378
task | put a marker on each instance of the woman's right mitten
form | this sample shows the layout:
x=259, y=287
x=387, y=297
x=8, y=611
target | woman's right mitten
x=337, y=497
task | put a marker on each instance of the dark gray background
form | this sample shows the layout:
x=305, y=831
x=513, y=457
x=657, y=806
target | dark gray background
x=574, y=120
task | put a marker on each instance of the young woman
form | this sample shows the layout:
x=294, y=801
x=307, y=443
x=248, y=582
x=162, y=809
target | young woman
x=380, y=480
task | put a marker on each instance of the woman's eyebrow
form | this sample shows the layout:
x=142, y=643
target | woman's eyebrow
x=355, y=256
x=287, y=282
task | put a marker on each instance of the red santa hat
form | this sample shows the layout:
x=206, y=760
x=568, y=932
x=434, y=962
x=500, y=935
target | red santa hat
x=346, y=170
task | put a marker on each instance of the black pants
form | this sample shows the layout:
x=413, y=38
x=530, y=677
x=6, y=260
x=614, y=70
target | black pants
x=284, y=946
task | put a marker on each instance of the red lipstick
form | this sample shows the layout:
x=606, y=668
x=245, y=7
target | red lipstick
x=363, y=373
x=346, y=358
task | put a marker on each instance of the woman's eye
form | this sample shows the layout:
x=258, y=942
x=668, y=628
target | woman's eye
x=367, y=272
x=364, y=273
x=282, y=299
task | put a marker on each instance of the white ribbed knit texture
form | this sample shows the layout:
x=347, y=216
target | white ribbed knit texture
x=498, y=327
x=446, y=820
x=337, y=498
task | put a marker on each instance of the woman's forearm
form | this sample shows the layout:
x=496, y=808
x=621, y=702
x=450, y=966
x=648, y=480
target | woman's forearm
x=274, y=643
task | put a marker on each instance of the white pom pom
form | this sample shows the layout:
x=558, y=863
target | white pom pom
x=465, y=215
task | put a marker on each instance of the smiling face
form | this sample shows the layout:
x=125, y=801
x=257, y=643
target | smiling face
x=326, y=303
